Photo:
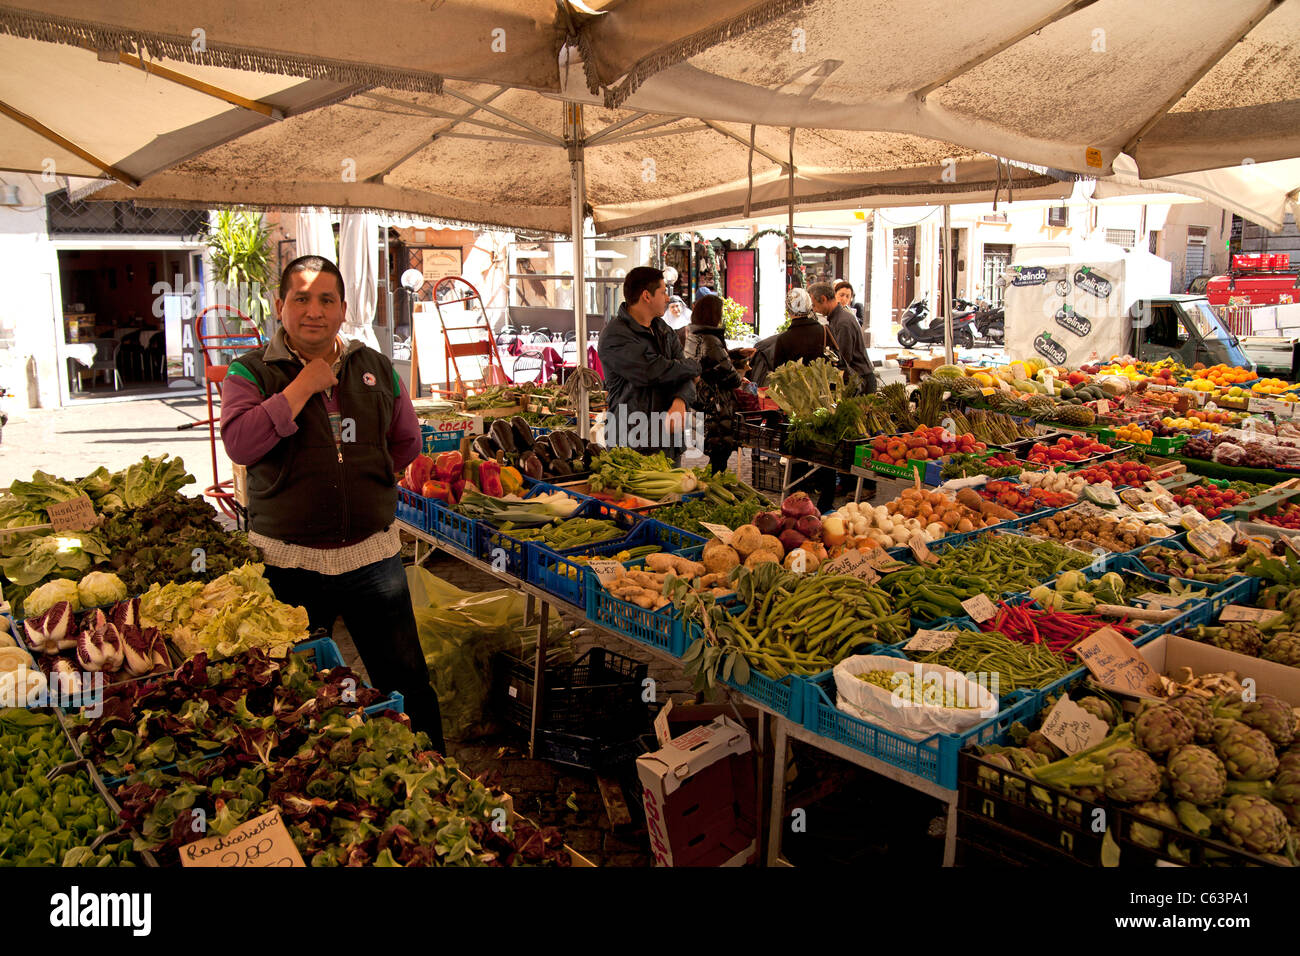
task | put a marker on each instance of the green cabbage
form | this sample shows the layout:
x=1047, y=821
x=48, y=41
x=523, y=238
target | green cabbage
x=99, y=588
x=50, y=594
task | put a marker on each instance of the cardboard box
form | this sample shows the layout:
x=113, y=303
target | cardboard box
x=1167, y=654
x=675, y=719
x=701, y=804
x=240, y=489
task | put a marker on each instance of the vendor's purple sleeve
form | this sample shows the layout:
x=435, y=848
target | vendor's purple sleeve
x=251, y=425
x=404, y=438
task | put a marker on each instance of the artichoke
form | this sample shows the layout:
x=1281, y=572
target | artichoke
x=1161, y=728
x=1245, y=751
x=1196, y=775
x=1284, y=648
x=1286, y=784
x=1100, y=708
x=1198, y=711
x=1273, y=716
x=1041, y=745
x=1254, y=823
x=1238, y=637
x=1130, y=776
x=1150, y=837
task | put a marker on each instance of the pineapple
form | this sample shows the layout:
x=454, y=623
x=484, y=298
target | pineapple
x=1077, y=415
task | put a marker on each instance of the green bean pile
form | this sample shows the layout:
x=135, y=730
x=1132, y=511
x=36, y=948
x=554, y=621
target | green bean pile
x=991, y=564
x=808, y=624
x=571, y=533
x=991, y=652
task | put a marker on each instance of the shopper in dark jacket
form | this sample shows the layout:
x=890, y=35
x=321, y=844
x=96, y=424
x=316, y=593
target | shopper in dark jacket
x=650, y=383
x=846, y=334
x=805, y=339
x=715, y=393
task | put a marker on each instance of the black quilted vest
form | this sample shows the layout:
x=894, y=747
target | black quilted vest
x=308, y=491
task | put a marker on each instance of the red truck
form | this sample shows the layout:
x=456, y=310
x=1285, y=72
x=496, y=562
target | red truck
x=1261, y=279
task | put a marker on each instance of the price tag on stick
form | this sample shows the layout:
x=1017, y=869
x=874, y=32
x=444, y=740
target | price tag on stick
x=1072, y=728
x=922, y=552
x=75, y=515
x=853, y=563
x=930, y=641
x=980, y=608
x=262, y=841
x=1116, y=663
x=1256, y=615
x=719, y=531
x=606, y=571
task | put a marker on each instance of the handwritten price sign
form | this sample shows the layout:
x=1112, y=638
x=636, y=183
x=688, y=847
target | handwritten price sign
x=261, y=842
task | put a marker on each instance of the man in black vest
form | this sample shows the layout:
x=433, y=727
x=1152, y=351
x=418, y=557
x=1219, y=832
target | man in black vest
x=323, y=426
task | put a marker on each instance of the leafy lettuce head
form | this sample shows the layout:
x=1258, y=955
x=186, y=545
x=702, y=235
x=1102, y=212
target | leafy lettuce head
x=100, y=588
x=50, y=594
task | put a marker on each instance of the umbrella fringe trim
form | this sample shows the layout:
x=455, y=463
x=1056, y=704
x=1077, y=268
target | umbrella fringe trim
x=681, y=50
x=442, y=221
x=52, y=29
x=855, y=193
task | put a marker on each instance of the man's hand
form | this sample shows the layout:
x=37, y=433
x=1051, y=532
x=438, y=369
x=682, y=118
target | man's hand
x=315, y=377
x=676, y=417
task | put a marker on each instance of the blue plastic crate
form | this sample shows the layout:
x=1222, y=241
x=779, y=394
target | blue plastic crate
x=321, y=652
x=492, y=544
x=661, y=629
x=1206, y=612
x=784, y=696
x=415, y=510
x=452, y=528
x=933, y=759
x=566, y=579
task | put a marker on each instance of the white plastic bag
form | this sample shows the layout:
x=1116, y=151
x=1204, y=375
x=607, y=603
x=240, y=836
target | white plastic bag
x=879, y=705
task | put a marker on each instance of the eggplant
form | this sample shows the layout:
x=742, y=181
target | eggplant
x=504, y=436
x=485, y=447
x=531, y=466
x=523, y=432
x=567, y=443
x=545, y=444
x=560, y=467
x=542, y=453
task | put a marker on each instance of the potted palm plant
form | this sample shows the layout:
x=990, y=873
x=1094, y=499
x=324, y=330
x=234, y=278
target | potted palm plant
x=239, y=246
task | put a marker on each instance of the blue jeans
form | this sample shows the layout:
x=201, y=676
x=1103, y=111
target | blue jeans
x=376, y=606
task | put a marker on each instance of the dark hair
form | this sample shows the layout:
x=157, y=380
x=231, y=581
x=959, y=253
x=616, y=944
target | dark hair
x=641, y=279
x=707, y=311
x=843, y=285
x=821, y=290
x=310, y=264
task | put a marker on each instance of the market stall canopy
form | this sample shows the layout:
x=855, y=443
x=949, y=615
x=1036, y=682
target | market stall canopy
x=1180, y=85
x=403, y=44
x=1263, y=193
x=491, y=156
x=66, y=112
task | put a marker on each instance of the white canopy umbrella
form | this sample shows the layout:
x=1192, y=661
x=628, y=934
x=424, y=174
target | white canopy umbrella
x=1264, y=193
x=1180, y=85
x=359, y=262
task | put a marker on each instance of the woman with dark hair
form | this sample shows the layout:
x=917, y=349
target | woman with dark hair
x=715, y=395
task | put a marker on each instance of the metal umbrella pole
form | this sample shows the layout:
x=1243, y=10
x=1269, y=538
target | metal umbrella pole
x=573, y=136
x=945, y=260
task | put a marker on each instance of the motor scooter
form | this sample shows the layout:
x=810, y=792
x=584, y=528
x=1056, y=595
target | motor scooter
x=917, y=326
x=988, y=322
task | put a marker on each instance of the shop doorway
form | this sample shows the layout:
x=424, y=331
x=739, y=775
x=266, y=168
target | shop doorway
x=904, y=273
x=119, y=305
x=997, y=260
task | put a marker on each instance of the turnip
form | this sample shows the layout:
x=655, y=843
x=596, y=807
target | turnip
x=810, y=526
x=768, y=522
x=798, y=505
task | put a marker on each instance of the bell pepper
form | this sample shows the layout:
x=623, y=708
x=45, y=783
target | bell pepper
x=489, y=474
x=470, y=471
x=512, y=482
x=448, y=466
x=418, y=472
x=436, y=489
x=457, y=491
